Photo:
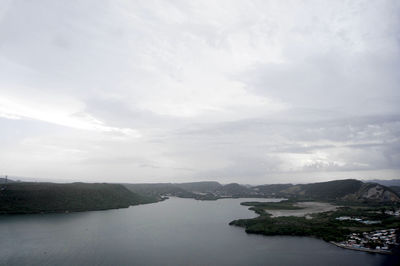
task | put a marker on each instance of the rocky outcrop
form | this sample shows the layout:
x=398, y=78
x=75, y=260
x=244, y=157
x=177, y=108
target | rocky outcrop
x=374, y=192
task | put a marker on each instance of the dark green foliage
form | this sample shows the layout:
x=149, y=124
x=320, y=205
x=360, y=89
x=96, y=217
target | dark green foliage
x=294, y=226
x=332, y=189
x=322, y=225
x=236, y=190
x=204, y=186
x=371, y=213
x=5, y=180
x=395, y=189
x=388, y=183
x=159, y=189
x=196, y=190
x=346, y=191
x=51, y=197
x=282, y=205
x=272, y=190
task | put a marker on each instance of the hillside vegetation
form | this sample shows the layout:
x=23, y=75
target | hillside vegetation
x=26, y=197
x=395, y=189
x=50, y=197
x=208, y=190
x=322, y=225
x=349, y=190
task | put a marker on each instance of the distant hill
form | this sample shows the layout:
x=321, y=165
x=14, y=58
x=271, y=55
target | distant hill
x=338, y=190
x=204, y=187
x=374, y=192
x=195, y=190
x=331, y=190
x=4, y=180
x=322, y=190
x=395, y=189
x=208, y=190
x=388, y=183
x=235, y=190
x=272, y=190
x=27, y=197
x=159, y=189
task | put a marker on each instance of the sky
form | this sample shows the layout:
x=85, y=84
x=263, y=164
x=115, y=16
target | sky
x=253, y=92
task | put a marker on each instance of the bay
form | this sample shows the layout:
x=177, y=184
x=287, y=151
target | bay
x=173, y=232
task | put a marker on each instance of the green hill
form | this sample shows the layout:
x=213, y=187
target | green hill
x=204, y=186
x=395, y=189
x=273, y=189
x=337, y=190
x=208, y=190
x=333, y=189
x=51, y=197
x=236, y=190
x=322, y=190
x=159, y=189
x=348, y=190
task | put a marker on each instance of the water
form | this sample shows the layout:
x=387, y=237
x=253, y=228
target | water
x=173, y=232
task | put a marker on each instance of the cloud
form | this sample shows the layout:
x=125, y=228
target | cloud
x=60, y=112
x=178, y=91
x=261, y=148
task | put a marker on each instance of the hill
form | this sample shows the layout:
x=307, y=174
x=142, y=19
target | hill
x=337, y=190
x=331, y=190
x=388, y=183
x=272, y=190
x=202, y=187
x=6, y=180
x=27, y=197
x=235, y=190
x=396, y=189
x=159, y=190
x=374, y=192
x=208, y=190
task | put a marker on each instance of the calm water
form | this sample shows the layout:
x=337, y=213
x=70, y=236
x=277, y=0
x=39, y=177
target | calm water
x=173, y=232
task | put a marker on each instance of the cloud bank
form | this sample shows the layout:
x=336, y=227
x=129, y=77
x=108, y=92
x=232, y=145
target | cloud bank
x=159, y=91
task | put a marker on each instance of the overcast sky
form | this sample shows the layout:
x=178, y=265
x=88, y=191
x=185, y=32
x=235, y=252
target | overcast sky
x=173, y=91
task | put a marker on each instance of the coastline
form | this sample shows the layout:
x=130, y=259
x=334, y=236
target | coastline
x=387, y=252
x=278, y=225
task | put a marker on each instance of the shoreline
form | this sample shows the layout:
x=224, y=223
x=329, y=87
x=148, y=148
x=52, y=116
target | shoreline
x=386, y=252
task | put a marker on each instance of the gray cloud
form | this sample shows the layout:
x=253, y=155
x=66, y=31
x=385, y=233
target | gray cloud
x=252, y=92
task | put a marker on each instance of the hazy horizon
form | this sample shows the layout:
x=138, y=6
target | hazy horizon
x=63, y=181
x=253, y=92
